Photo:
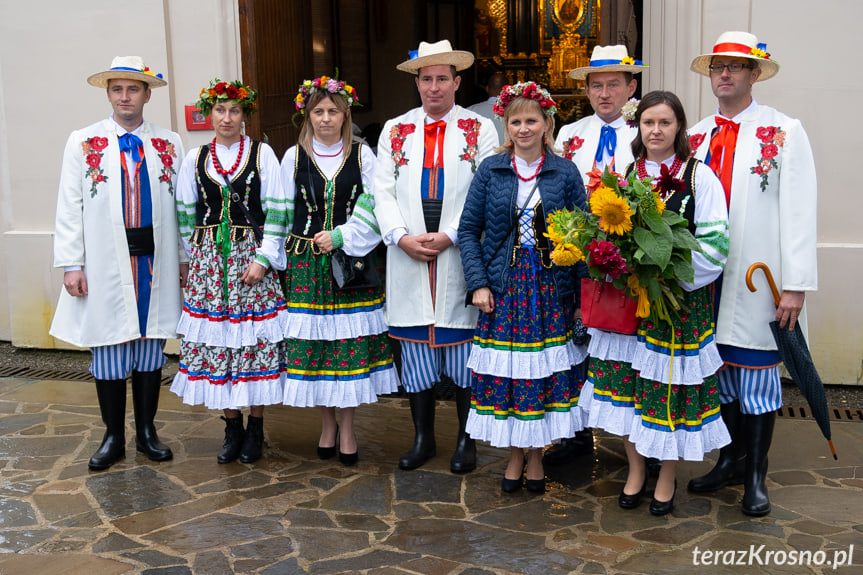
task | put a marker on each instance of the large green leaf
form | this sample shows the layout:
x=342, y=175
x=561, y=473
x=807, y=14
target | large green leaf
x=684, y=240
x=657, y=245
x=654, y=221
x=683, y=269
x=673, y=218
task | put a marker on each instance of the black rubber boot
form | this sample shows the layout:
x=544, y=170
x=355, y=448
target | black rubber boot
x=112, y=404
x=422, y=412
x=234, y=434
x=464, y=458
x=729, y=467
x=759, y=435
x=568, y=449
x=254, y=440
x=145, y=399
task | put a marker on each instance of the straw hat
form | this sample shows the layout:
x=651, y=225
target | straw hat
x=609, y=59
x=127, y=68
x=436, y=54
x=739, y=45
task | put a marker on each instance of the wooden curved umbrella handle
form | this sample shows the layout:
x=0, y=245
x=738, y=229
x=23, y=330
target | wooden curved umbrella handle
x=751, y=286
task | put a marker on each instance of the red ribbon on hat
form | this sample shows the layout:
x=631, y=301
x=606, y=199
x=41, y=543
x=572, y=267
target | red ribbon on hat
x=733, y=47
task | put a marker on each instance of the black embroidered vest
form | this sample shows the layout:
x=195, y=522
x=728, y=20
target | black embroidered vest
x=684, y=198
x=333, y=211
x=247, y=183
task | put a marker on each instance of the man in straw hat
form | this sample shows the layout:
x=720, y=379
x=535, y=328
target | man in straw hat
x=765, y=164
x=595, y=142
x=426, y=160
x=116, y=238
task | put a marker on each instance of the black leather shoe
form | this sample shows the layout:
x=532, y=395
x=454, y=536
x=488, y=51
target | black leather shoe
x=658, y=507
x=253, y=442
x=330, y=452
x=535, y=485
x=349, y=459
x=627, y=501
x=510, y=485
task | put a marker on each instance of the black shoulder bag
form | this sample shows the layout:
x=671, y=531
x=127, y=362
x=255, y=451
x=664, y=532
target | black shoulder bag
x=349, y=272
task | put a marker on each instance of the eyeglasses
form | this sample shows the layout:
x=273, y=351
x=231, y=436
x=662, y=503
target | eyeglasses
x=733, y=67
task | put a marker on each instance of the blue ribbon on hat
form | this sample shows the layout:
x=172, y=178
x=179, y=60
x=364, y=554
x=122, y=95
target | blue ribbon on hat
x=413, y=54
x=613, y=63
x=607, y=142
x=135, y=70
x=131, y=143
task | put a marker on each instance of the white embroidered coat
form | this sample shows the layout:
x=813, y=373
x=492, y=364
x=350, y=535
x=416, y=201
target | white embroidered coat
x=398, y=204
x=771, y=219
x=583, y=135
x=90, y=232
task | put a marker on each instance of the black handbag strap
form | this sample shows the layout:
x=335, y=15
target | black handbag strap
x=235, y=197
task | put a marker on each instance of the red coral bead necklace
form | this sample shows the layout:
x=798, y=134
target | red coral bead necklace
x=536, y=173
x=225, y=173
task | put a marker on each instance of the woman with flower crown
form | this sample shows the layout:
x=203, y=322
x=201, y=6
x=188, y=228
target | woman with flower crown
x=524, y=381
x=658, y=388
x=231, y=209
x=336, y=347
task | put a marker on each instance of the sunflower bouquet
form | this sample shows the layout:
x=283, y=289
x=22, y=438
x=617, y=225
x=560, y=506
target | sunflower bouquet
x=627, y=235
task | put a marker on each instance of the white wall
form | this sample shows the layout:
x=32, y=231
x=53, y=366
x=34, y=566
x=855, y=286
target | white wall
x=47, y=50
x=812, y=42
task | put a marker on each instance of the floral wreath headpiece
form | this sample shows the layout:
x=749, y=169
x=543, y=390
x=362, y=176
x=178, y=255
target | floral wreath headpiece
x=529, y=91
x=328, y=85
x=219, y=91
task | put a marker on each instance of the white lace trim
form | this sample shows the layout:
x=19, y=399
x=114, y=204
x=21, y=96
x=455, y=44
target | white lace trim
x=531, y=434
x=680, y=443
x=686, y=370
x=334, y=327
x=309, y=393
x=525, y=364
x=227, y=396
x=611, y=346
x=234, y=335
x=598, y=414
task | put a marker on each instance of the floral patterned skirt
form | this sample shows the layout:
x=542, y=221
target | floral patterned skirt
x=229, y=354
x=674, y=414
x=524, y=378
x=336, y=350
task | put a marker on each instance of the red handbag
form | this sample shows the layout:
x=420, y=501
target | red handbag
x=605, y=307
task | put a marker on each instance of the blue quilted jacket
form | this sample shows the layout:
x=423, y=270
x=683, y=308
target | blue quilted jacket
x=487, y=234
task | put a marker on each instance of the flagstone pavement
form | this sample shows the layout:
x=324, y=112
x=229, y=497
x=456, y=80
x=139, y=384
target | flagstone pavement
x=291, y=513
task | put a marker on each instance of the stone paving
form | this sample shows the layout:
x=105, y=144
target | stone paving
x=291, y=513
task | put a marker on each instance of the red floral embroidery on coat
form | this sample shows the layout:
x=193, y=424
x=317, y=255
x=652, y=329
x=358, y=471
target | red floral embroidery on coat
x=470, y=127
x=695, y=141
x=93, y=148
x=571, y=145
x=166, y=152
x=398, y=134
x=772, y=139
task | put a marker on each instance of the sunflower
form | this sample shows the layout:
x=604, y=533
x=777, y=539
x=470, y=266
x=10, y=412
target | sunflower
x=555, y=236
x=660, y=205
x=566, y=255
x=615, y=215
